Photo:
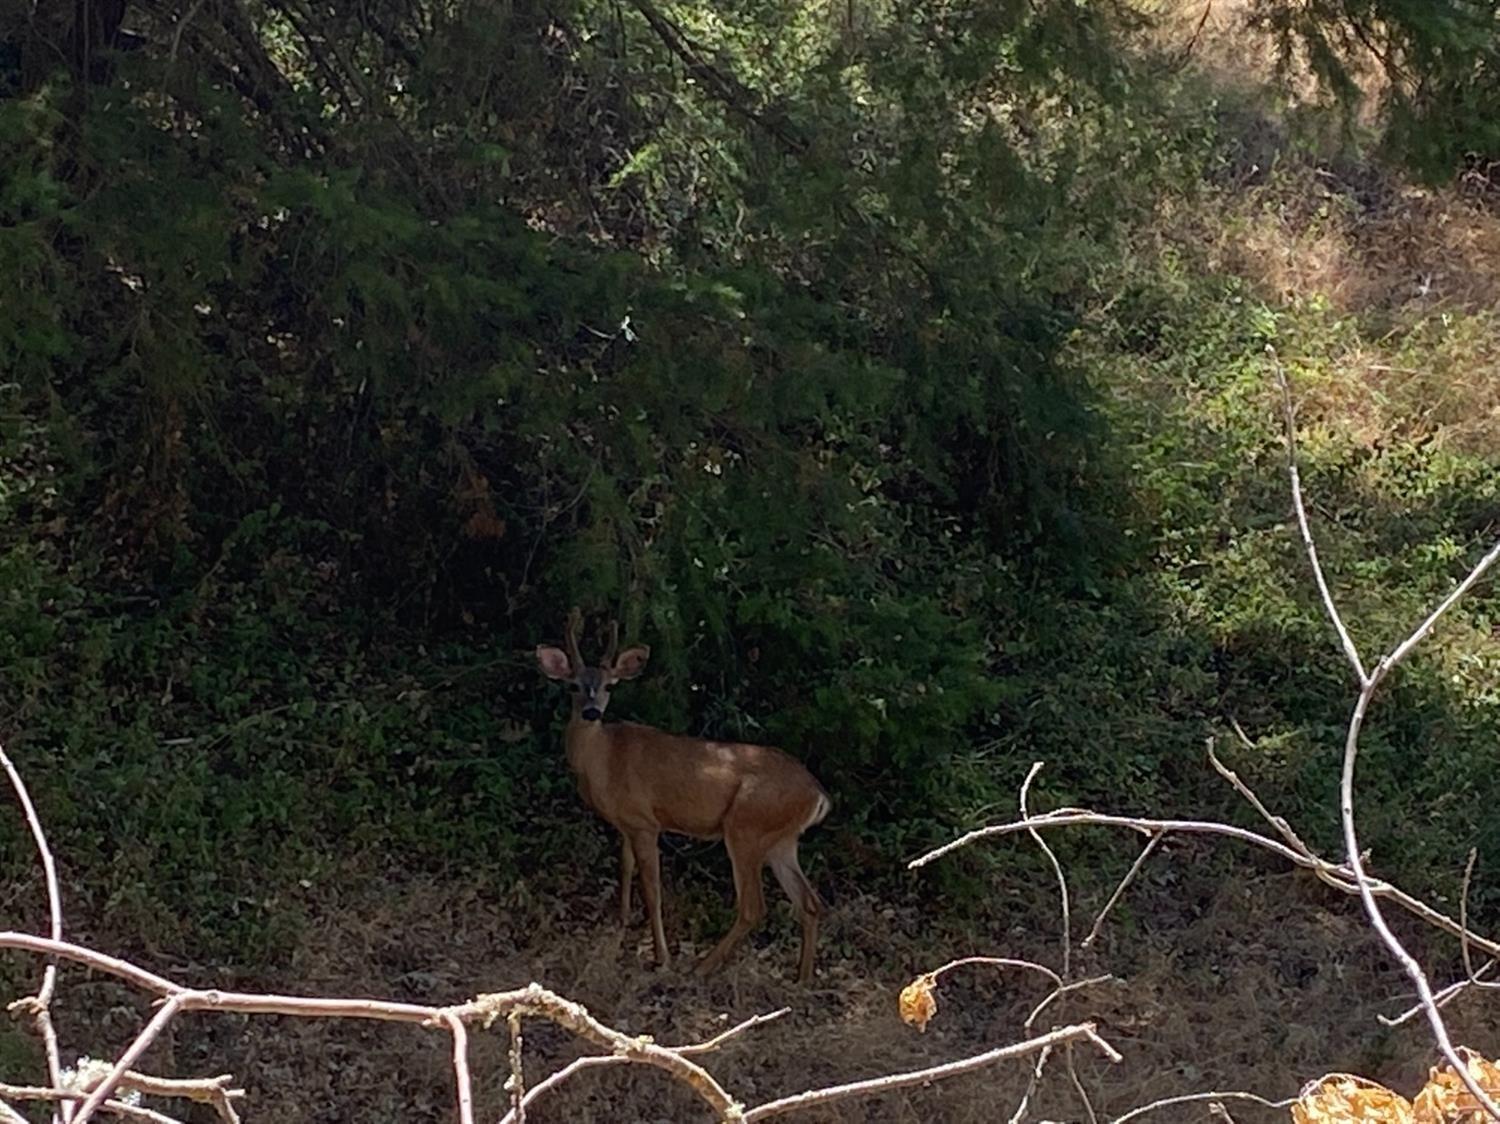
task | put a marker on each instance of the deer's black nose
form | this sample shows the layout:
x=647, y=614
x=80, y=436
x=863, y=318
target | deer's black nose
x=592, y=714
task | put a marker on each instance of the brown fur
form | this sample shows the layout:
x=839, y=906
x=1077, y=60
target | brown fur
x=644, y=781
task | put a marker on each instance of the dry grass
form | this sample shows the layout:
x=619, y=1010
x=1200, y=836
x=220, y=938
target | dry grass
x=1407, y=278
x=1260, y=985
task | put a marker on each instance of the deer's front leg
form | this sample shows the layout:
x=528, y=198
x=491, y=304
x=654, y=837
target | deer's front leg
x=627, y=872
x=643, y=843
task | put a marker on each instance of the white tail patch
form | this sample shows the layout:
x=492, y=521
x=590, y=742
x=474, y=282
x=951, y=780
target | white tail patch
x=820, y=810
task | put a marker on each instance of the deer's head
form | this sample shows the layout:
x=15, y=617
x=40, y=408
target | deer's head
x=590, y=685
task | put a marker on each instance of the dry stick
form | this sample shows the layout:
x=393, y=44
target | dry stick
x=876, y=1085
x=40, y=1004
x=531, y=1000
x=1062, y=882
x=67, y=1096
x=1443, y=995
x=1278, y=822
x=1076, y=985
x=1307, y=540
x=1372, y=906
x=517, y=1082
x=1036, y=1077
x=461, y=1080
x=997, y=962
x=1067, y=931
x=598, y=1060
x=1473, y=979
x=1336, y=876
x=158, y=1023
x=217, y=1092
x=1462, y=931
x=517, y=1114
x=1135, y=867
x=1190, y=1098
x=1369, y=684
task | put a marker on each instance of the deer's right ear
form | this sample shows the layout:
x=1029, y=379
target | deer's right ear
x=554, y=662
x=631, y=662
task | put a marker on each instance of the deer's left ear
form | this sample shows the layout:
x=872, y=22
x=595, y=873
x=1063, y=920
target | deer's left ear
x=554, y=662
x=630, y=663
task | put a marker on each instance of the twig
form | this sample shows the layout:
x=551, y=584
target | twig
x=1135, y=867
x=516, y=1084
x=39, y=1006
x=1065, y=906
x=532, y=1000
x=1058, y=993
x=143, y=1040
x=1307, y=540
x=1062, y=882
x=1192, y=1098
x=1277, y=822
x=463, y=1085
x=594, y=1061
x=591, y=1061
x=1463, y=919
x=877, y=1085
x=997, y=962
x=1443, y=996
x=1336, y=876
x=724, y=1036
x=1036, y=1077
x=66, y=1097
x=214, y=1091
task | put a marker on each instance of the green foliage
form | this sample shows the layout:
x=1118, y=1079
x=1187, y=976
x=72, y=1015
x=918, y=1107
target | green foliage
x=1440, y=60
x=818, y=350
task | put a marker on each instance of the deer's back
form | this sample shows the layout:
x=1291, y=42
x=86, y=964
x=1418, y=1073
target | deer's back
x=689, y=786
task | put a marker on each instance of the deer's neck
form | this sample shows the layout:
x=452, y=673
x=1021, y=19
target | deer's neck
x=584, y=741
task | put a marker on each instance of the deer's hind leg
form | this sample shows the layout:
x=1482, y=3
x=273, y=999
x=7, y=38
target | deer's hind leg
x=789, y=874
x=747, y=854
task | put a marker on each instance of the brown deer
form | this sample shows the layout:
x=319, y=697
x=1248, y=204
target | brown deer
x=644, y=781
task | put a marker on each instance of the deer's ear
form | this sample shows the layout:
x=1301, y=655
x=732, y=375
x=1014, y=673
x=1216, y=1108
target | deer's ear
x=554, y=662
x=631, y=662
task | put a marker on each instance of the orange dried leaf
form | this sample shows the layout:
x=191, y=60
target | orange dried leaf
x=918, y=1003
x=1344, y=1101
x=1446, y=1099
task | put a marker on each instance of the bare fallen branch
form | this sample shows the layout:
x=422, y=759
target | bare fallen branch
x=878, y=1085
x=1337, y=876
x=1369, y=683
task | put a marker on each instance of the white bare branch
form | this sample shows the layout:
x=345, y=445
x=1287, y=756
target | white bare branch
x=1369, y=683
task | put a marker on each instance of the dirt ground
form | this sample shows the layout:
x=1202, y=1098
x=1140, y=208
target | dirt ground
x=1260, y=983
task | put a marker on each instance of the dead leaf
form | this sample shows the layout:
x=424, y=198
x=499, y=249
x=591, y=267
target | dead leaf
x=918, y=1003
x=1342, y=1100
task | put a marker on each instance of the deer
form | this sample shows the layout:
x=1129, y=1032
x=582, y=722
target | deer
x=644, y=781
